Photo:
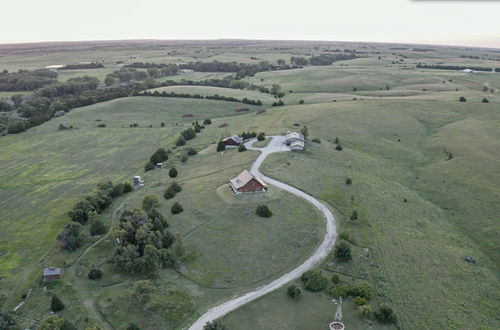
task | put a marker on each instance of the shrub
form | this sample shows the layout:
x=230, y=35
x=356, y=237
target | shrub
x=263, y=211
x=184, y=158
x=214, y=325
x=385, y=314
x=361, y=289
x=354, y=215
x=314, y=281
x=335, y=279
x=162, y=124
x=176, y=187
x=462, y=99
x=338, y=147
x=149, y=202
x=176, y=208
x=242, y=148
x=365, y=311
x=172, y=172
x=261, y=136
x=293, y=291
x=149, y=167
x=348, y=181
x=127, y=187
x=133, y=326
x=207, y=122
x=95, y=274
x=101, y=125
x=360, y=301
x=485, y=100
x=97, y=228
x=56, y=304
x=180, y=141
x=342, y=251
x=169, y=193
x=344, y=235
x=339, y=291
x=221, y=146
x=301, y=102
x=316, y=140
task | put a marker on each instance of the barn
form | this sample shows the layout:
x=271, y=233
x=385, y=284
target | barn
x=232, y=141
x=295, y=141
x=247, y=183
x=52, y=274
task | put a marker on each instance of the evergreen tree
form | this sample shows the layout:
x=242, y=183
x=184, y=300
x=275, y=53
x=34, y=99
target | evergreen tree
x=56, y=304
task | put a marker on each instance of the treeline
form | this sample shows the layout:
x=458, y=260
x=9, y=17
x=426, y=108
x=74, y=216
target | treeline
x=198, y=96
x=25, y=80
x=145, y=243
x=452, y=67
x=71, y=237
x=323, y=59
x=128, y=74
x=241, y=69
x=93, y=65
x=72, y=86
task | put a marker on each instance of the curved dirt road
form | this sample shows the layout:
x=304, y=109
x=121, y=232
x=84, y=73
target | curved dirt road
x=276, y=145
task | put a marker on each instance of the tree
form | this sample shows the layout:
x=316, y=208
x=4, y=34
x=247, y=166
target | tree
x=335, y=279
x=184, y=158
x=342, y=251
x=301, y=102
x=97, y=227
x=314, y=281
x=361, y=289
x=337, y=140
x=52, y=322
x=181, y=141
x=149, y=202
x=70, y=238
x=17, y=99
x=148, y=167
x=462, y=99
x=7, y=321
x=304, y=131
x=191, y=152
x=176, y=208
x=221, y=146
x=176, y=187
x=338, y=147
x=293, y=291
x=172, y=172
x=261, y=136
x=133, y=326
x=141, y=292
x=95, y=274
x=214, y=325
x=485, y=100
x=207, y=121
x=169, y=193
x=179, y=248
x=56, y=304
x=5, y=106
x=109, y=81
x=354, y=215
x=242, y=147
x=385, y=314
x=348, y=181
x=360, y=301
x=263, y=211
x=127, y=187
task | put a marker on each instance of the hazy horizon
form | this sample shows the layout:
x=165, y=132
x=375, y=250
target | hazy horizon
x=458, y=23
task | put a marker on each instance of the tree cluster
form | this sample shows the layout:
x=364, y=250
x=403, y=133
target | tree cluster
x=82, y=66
x=198, y=96
x=452, y=67
x=144, y=242
x=25, y=80
x=71, y=87
x=314, y=281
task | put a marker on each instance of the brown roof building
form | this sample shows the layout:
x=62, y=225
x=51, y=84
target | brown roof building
x=232, y=141
x=247, y=183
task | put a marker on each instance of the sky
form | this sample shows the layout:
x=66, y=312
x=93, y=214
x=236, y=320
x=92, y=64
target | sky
x=468, y=23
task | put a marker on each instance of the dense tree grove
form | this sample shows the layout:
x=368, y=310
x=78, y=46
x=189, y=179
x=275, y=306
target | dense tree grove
x=80, y=66
x=144, y=242
x=327, y=59
x=70, y=87
x=452, y=67
x=314, y=280
x=25, y=80
x=241, y=69
x=198, y=96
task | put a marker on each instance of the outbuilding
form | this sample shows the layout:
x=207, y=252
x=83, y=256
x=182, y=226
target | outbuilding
x=247, y=183
x=52, y=274
x=232, y=141
x=295, y=141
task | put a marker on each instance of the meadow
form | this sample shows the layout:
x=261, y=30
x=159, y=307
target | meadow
x=421, y=210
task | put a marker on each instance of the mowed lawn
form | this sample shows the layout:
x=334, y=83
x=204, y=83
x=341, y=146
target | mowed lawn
x=394, y=151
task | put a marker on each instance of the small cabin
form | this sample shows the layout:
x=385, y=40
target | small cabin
x=138, y=182
x=232, y=141
x=159, y=165
x=246, y=183
x=52, y=274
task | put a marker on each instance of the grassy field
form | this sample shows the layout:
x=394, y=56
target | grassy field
x=421, y=210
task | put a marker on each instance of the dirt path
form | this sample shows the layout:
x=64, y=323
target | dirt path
x=276, y=145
